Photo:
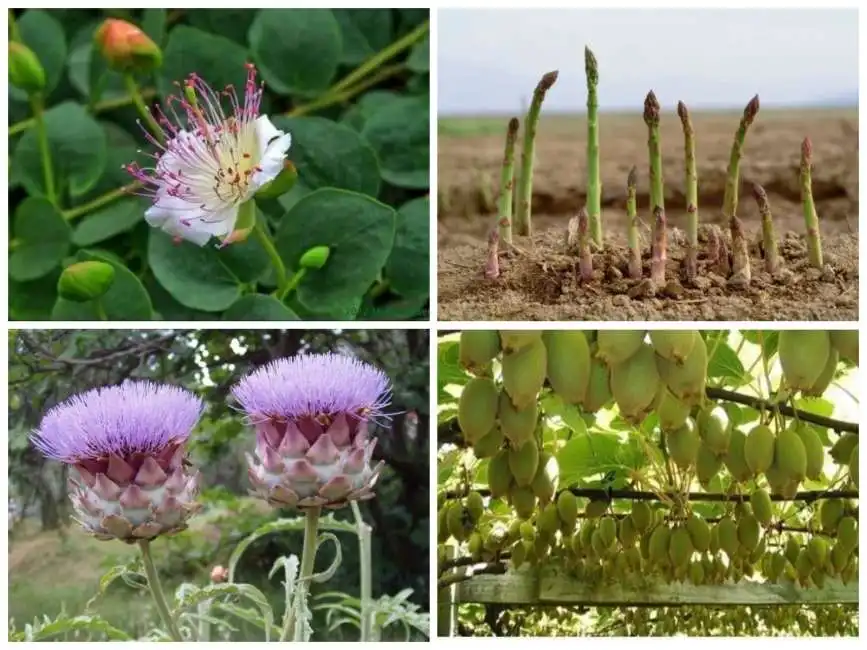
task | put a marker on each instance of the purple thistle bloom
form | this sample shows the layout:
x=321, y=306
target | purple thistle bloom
x=127, y=444
x=132, y=418
x=311, y=414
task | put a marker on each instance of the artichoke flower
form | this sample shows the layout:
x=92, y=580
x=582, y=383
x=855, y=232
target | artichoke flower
x=127, y=446
x=311, y=414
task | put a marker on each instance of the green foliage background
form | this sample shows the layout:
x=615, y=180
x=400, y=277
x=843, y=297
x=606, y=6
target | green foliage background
x=46, y=367
x=361, y=151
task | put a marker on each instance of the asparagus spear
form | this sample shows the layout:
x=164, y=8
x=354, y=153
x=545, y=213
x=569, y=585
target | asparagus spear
x=691, y=192
x=730, y=199
x=659, y=248
x=769, y=239
x=492, y=264
x=525, y=184
x=740, y=255
x=632, y=225
x=651, y=118
x=585, y=261
x=507, y=184
x=594, y=184
x=814, y=242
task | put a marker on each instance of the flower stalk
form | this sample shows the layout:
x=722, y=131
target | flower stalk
x=365, y=563
x=524, y=201
x=271, y=251
x=691, y=192
x=769, y=239
x=632, y=225
x=594, y=184
x=507, y=184
x=651, y=119
x=157, y=591
x=811, y=219
x=38, y=107
x=138, y=101
x=305, y=573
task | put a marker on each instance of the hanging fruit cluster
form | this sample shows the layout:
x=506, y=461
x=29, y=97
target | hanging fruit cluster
x=759, y=532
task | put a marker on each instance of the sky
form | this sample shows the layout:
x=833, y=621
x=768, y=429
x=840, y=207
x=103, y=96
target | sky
x=490, y=60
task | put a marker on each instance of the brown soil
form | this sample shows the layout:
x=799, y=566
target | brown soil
x=541, y=284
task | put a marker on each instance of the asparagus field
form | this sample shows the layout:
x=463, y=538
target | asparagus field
x=743, y=215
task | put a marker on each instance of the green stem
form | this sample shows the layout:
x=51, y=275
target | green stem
x=332, y=97
x=100, y=201
x=137, y=99
x=691, y=192
x=366, y=564
x=507, y=184
x=294, y=281
x=525, y=184
x=14, y=33
x=657, y=185
x=270, y=250
x=308, y=560
x=106, y=105
x=730, y=199
x=811, y=219
x=594, y=184
x=157, y=591
x=100, y=309
x=38, y=107
x=381, y=57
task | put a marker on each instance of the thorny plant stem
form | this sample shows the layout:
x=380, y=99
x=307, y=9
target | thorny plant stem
x=632, y=225
x=811, y=219
x=137, y=99
x=769, y=239
x=308, y=559
x=381, y=57
x=691, y=192
x=594, y=184
x=271, y=251
x=38, y=106
x=366, y=562
x=507, y=184
x=332, y=97
x=730, y=199
x=157, y=591
x=651, y=119
x=524, y=197
x=107, y=105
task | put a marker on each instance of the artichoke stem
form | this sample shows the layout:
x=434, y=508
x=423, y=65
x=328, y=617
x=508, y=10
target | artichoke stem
x=302, y=586
x=157, y=590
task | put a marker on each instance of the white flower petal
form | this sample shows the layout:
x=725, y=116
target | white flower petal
x=183, y=219
x=273, y=145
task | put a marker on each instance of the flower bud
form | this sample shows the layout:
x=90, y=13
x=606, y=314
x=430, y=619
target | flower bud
x=126, y=47
x=25, y=71
x=284, y=182
x=315, y=258
x=219, y=574
x=85, y=281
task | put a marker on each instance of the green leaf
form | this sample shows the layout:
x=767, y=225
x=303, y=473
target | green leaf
x=358, y=230
x=126, y=300
x=43, y=34
x=297, y=50
x=153, y=23
x=122, y=150
x=328, y=154
x=193, y=275
x=33, y=300
x=194, y=597
x=258, y=307
x=43, y=236
x=365, y=32
x=110, y=221
x=219, y=61
x=585, y=456
x=62, y=625
x=233, y=24
x=246, y=260
x=816, y=405
x=419, y=58
x=399, y=133
x=357, y=115
x=725, y=364
x=408, y=266
x=77, y=147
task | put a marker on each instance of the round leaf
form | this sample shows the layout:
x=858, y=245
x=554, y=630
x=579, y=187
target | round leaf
x=43, y=235
x=408, y=268
x=219, y=61
x=419, y=58
x=193, y=275
x=43, y=34
x=399, y=133
x=358, y=230
x=328, y=154
x=108, y=222
x=297, y=50
x=257, y=307
x=77, y=147
x=125, y=300
x=233, y=24
x=365, y=32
